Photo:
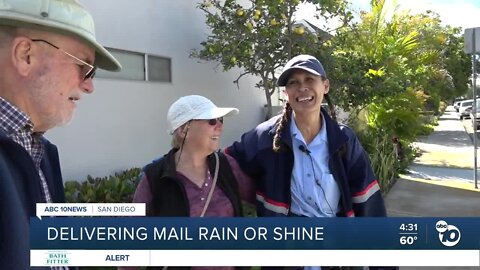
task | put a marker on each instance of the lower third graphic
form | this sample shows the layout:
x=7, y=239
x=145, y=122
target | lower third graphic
x=449, y=235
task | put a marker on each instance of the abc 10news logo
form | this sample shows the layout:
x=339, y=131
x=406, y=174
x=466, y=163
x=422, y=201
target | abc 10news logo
x=449, y=235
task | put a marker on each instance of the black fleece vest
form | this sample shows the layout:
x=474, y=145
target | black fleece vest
x=169, y=196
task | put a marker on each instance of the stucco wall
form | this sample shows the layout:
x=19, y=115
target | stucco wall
x=123, y=123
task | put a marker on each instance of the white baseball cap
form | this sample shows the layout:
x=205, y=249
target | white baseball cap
x=66, y=17
x=194, y=107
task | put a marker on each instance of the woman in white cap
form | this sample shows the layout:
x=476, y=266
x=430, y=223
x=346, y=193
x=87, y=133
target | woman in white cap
x=193, y=178
x=305, y=163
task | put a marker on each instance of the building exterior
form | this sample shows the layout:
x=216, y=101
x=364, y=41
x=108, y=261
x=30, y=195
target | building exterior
x=123, y=123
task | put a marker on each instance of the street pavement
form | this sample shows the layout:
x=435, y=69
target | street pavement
x=439, y=183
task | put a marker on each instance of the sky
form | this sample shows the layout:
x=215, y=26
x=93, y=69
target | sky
x=458, y=13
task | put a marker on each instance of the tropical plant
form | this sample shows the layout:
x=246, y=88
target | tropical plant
x=382, y=56
x=372, y=59
x=383, y=158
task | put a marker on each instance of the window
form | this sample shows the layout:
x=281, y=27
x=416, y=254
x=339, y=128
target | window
x=159, y=69
x=133, y=67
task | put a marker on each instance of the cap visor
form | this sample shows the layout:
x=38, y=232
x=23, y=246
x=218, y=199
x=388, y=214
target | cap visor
x=282, y=80
x=218, y=112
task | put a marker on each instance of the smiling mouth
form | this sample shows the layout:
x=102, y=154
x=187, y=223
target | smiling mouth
x=305, y=99
x=215, y=137
x=73, y=99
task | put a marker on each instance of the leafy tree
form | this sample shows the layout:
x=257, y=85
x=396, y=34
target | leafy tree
x=443, y=68
x=372, y=59
x=261, y=35
x=457, y=63
x=380, y=57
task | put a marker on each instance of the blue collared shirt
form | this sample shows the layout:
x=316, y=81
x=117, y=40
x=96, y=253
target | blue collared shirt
x=313, y=189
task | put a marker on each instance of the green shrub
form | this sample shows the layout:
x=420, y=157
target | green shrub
x=442, y=107
x=383, y=157
x=425, y=130
x=397, y=116
x=409, y=154
x=427, y=116
x=116, y=188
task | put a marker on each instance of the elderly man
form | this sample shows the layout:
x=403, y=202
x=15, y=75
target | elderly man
x=48, y=57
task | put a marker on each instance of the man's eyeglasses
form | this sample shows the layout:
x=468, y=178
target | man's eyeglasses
x=213, y=122
x=85, y=68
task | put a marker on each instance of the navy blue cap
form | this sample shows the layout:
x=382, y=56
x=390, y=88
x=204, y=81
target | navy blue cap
x=303, y=61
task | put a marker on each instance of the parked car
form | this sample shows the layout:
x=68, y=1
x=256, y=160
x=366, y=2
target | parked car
x=477, y=115
x=456, y=105
x=462, y=109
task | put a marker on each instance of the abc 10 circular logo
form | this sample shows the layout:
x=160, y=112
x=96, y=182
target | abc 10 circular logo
x=449, y=235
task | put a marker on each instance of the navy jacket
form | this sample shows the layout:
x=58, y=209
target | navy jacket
x=348, y=163
x=20, y=189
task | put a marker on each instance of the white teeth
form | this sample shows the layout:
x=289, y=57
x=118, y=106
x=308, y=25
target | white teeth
x=305, y=99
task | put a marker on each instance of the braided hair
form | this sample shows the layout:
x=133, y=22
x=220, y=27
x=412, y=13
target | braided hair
x=331, y=107
x=287, y=111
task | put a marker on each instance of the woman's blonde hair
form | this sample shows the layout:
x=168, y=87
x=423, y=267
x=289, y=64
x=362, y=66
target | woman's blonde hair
x=179, y=135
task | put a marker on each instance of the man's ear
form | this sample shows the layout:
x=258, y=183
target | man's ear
x=21, y=55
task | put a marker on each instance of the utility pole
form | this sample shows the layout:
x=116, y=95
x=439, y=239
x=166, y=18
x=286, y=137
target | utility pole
x=474, y=109
x=471, y=36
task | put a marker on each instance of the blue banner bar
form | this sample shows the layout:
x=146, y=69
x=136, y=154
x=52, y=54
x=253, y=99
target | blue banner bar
x=152, y=233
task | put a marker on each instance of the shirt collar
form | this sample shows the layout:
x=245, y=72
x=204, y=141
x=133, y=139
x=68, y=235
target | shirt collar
x=12, y=119
x=321, y=137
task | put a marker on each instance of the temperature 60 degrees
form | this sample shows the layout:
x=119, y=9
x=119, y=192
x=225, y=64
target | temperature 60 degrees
x=407, y=240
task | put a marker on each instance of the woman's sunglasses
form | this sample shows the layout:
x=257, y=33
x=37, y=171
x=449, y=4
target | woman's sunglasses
x=213, y=122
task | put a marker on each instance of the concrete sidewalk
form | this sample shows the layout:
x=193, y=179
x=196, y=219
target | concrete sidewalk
x=448, y=146
x=440, y=182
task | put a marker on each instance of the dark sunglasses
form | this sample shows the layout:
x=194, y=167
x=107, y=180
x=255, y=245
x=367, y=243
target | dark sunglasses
x=213, y=122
